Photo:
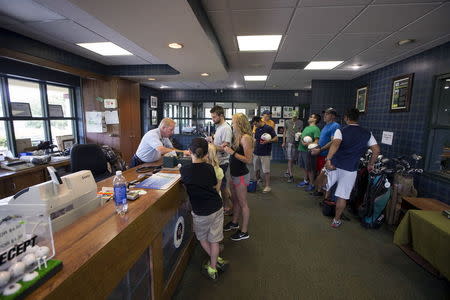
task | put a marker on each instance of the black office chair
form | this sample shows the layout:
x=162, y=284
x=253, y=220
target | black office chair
x=89, y=157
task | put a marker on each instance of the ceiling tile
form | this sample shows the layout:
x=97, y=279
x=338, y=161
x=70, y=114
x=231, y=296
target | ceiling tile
x=322, y=20
x=403, y=1
x=278, y=77
x=221, y=23
x=210, y=5
x=259, y=4
x=388, y=18
x=333, y=2
x=256, y=63
x=61, y=30
x=437, y=21
x=347, y=45
x=27, y=11
x=302, y=47
x=270, y=21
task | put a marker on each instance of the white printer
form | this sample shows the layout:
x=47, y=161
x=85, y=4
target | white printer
x=65, y=199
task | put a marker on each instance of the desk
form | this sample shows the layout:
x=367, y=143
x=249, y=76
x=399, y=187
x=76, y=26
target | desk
x=423, y=204
x=12, y=182
x=428, y=234
x=102, y=249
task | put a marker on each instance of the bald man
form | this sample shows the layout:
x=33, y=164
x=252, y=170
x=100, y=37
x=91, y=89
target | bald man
x=155, y=143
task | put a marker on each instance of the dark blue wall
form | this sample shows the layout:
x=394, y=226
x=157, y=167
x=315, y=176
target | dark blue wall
x=330, y=93
x=410, y=128
x=146, y=93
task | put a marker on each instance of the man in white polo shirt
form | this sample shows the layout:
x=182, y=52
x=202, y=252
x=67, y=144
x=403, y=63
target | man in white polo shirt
x=155, y=143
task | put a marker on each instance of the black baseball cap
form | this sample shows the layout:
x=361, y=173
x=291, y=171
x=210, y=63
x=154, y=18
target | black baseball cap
x=330, y=110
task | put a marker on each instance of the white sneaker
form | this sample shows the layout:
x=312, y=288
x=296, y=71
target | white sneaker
x=267, y=189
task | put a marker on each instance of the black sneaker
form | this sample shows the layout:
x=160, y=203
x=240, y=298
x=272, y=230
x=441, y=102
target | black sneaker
x=239, y=235
x=317, y=194
x=229, y=226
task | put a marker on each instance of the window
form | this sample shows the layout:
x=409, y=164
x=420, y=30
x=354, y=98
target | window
x=36, y=112
x=438, y=158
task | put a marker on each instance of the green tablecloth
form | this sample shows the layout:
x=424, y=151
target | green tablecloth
x=428, y=233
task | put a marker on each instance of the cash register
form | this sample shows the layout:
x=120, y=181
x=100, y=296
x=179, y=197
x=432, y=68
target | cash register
x=65, y=199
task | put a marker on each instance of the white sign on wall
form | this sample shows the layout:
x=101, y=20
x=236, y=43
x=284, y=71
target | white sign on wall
x=387, y=137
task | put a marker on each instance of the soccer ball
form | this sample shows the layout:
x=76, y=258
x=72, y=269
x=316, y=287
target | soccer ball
x=312, y=146
x=266, y=137
x=307, y=139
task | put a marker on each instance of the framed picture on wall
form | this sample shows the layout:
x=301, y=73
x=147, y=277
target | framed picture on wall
x=288, y=111
x=154, y=117
x=276, y=111
x=264, y=108
x=153, y=102
x=401, y=93
x=361, y=99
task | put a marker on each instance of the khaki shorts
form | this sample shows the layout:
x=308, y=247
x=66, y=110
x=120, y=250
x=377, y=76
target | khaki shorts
x=210, y=227
x=261, y=162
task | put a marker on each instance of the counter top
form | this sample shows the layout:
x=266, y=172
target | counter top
x=101, y=246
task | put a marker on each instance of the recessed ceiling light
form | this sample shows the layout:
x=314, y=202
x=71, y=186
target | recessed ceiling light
x=447, y=79
x=355, y=67
x=323, y=65
x=255, y=77
x=235, y=86
x=151, y=78
x=105, y=48
x=164, y=87
x=446, y=87
x=258, y=42
x=404, y=42
x=204, y=74
x=175, y=45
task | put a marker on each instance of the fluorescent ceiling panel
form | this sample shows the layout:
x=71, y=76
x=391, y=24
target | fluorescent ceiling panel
x=323, y=65
x=105, y=48
x=255, y=77
x=258, y=42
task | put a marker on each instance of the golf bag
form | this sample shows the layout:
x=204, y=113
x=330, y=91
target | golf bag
x=359, y=190
x=376, y=198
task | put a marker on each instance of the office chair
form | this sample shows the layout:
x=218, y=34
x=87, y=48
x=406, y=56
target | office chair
x=89, y=157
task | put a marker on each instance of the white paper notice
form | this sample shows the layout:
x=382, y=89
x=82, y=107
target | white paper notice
x=111, y=117
x=387, y=137
x=94, y=122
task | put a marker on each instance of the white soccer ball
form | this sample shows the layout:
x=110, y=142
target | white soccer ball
x=29, y=259
x=297, y=136
x=266, y=137
x=312, y=146
x=17, y=269
x=4, y=278
x=42, y=251
x=307, y=139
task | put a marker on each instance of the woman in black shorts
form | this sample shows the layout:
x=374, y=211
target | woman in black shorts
x=241, y=153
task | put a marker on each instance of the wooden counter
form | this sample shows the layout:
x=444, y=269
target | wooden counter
x=100, y=248
x=12, y=182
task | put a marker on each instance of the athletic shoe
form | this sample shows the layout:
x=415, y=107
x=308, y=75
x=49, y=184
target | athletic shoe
x=317, y=194
x=229, y=226
x=267, y=189
x=239, y=235
x=210, y=272
x=336, y=223
x=303, y=184
x=290, y=179
x=222, y=264
x=310, y=188
x=286, y=174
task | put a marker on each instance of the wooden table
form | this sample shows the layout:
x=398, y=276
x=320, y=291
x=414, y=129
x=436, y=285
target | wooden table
x=99, y=249
x=424, y=204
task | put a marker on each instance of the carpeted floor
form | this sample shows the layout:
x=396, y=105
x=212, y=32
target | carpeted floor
x=293, y=253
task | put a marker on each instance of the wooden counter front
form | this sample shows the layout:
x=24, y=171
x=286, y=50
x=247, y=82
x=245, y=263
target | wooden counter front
x=99, y=249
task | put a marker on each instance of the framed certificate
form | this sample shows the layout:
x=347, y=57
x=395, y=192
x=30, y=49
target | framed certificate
x=153, y=102
x=401, y=93
x=361, y=99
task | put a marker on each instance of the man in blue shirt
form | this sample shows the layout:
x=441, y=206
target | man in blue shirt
x=263, y=150
x=348, y=145
x=326, y=136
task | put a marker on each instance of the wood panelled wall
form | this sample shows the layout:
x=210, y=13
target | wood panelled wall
x=125, y=136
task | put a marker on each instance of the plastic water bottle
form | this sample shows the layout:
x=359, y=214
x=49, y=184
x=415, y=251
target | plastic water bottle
x=120, y=193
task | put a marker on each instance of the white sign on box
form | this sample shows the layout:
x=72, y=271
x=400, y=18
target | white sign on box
x=387, y=137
